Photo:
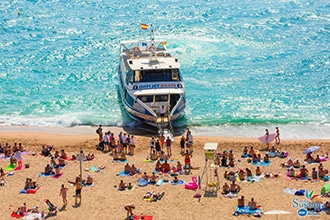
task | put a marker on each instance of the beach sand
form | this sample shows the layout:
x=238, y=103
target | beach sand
x=104, y=201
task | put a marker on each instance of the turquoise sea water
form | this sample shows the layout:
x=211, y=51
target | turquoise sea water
x=247, y=65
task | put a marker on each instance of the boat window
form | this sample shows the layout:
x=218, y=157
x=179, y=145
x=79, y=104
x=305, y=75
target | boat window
x=161, y=98
x=175, y=75
x=129, y=76
x=157, y=75
x=146, y=98
x=137, y=76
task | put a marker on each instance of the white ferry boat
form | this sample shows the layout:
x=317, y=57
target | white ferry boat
x=151, y=86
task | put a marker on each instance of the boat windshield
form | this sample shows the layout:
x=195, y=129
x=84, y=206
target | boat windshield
x=157, y=75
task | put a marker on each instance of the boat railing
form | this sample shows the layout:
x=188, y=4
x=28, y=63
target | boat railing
x=146, y=107
x=176, y=106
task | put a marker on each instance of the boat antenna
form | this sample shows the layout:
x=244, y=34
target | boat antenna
x=152, y=37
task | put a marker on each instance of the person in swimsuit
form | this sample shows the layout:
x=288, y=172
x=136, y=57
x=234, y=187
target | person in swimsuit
x=277, y=137
x=78, y=185
x=129, y=208
x=187, y=157
x=63, y=193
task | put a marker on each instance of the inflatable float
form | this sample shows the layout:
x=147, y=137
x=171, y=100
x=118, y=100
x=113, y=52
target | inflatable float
x=192, y=184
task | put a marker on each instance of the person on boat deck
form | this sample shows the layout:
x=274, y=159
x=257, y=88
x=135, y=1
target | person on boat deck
x=252, y=204
x=162, y=112
x=225, y=188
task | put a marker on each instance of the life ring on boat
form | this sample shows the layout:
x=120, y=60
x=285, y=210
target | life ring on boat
x=152, y=47
x=136, y=48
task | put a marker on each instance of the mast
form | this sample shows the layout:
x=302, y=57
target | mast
x=152, y=36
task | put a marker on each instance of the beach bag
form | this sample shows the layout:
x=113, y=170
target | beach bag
x=97, y=131
x=325, y=178
x=300, y=192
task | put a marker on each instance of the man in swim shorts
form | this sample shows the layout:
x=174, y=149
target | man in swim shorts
x=78, y=185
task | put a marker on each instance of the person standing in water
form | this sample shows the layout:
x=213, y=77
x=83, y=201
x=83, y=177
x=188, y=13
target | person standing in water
x=277, y=137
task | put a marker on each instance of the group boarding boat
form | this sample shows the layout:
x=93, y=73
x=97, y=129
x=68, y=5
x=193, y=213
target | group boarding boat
x=151, y=86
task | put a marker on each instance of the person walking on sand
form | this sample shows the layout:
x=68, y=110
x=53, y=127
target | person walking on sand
x=78, y=185
x=100, y=133
x=277, y=137
x=168, y=146
x=63, y=193
x=267, y=136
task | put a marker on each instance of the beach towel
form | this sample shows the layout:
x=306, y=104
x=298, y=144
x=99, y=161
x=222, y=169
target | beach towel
x=262, y=163
x=145, y=217
x=290, y=191
x=131, y=189
x=160, y=182
x=122, y=173
x=296, y=178
x=16, y=215
x=230, y=195
x=57, y=176
x=143, y=182
x=180, y=182
x=252, y=179
x=46, y=174
x=32, y=216
x=87, y=185
x=29, y=191
x=97, y=169
x=10, y=167
x=119, y=161
x=245, y=155
x=246, y=210
x=19, y=167
x=61, y=166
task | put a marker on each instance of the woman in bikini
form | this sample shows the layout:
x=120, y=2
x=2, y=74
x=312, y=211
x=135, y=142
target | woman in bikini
x=63, y=192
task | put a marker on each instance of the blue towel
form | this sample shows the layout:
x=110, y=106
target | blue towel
x=178, y=183
x=47, y=174
x=122, y=173
x=246, y=210
x=262, y=163
x=143, y=182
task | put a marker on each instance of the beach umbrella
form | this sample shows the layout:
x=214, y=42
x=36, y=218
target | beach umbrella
x=311, y=149
x=277, y=212
x=325, y=188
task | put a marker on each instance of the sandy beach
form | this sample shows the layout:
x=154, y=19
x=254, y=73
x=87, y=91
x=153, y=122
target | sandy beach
x=104, y=201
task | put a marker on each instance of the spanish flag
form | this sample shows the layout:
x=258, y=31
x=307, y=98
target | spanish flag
x=144, y=26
